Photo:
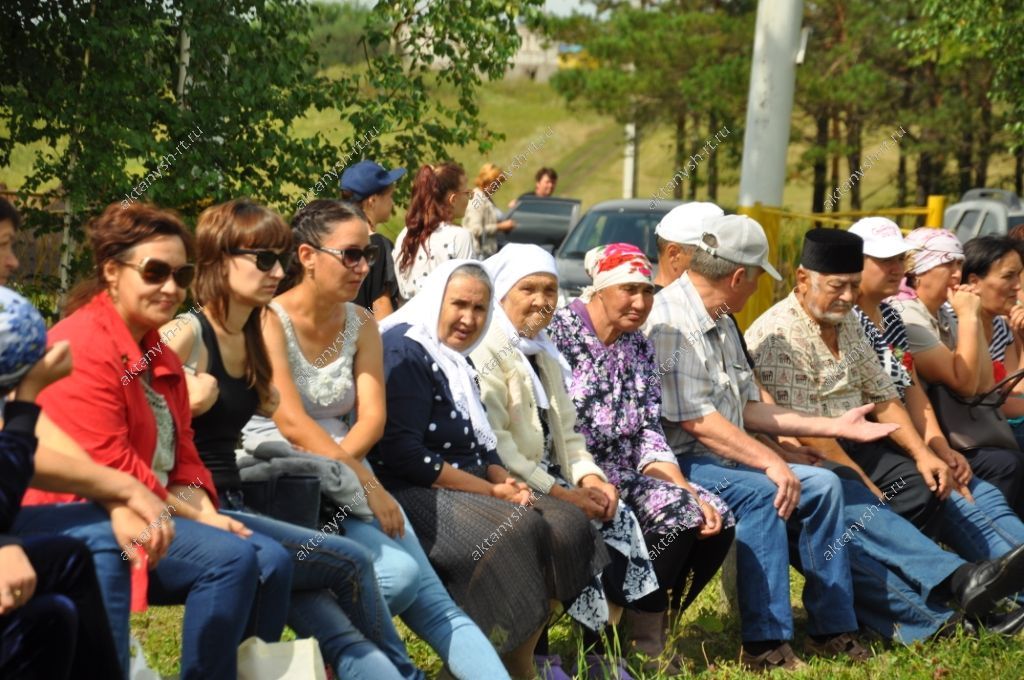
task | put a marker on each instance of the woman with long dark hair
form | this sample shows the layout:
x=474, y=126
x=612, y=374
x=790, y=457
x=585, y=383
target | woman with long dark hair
x=243, y=250
x=327, y=366
x=439, y=195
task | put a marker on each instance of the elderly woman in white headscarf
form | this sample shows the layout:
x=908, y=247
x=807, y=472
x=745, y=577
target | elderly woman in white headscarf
x=534, y=420
x=503, y=552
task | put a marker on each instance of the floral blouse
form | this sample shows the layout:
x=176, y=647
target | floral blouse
x=622, y=408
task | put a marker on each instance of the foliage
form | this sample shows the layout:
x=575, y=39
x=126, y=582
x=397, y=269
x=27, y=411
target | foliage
x=100, y=85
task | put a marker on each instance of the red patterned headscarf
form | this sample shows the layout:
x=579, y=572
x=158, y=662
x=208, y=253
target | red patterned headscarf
x=614, y=264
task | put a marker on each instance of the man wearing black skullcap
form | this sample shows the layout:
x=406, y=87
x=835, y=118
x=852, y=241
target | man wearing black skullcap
x=812, y=355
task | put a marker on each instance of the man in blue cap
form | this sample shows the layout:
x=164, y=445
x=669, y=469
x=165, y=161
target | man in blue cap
x=372, y=187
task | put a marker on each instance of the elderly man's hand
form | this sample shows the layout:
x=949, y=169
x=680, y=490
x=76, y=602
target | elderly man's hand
x=937, y=475
x=788, y=496
x=854, y=426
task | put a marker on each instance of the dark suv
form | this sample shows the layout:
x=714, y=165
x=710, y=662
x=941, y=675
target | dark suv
x=541, y=221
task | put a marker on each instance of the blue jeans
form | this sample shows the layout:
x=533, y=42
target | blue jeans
x=895, y=567
x=762, y=554
x=415, y=593
x=215, y=574
x=982, y=530
x=335, y=598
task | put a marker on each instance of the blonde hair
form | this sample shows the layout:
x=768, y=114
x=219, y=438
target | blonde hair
x=489, y=173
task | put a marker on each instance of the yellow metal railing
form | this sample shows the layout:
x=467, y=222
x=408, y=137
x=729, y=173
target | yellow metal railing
x=785, y=230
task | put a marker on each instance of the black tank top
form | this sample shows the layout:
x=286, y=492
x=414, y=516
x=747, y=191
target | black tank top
x=218, y=431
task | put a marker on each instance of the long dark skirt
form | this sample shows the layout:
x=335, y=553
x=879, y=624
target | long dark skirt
x=501, y=562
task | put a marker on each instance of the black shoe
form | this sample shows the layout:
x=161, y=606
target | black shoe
x=1005, y=624
x=991, y=581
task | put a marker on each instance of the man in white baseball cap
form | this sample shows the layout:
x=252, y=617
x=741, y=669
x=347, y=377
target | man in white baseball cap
x=737, y=239
x=882, y=238
x=678, y=234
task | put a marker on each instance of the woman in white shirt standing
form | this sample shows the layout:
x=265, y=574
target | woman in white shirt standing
x=482, y=216
x=439, y=195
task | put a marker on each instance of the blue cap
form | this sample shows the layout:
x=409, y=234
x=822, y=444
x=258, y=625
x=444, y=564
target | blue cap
x=367, y=178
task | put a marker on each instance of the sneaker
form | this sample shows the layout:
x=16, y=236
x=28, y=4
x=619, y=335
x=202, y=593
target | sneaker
x=549, y=667
x=838, y=645
x=781, y=657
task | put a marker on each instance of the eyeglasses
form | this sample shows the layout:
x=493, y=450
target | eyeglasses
x=155, y=272
x=265, y=259
x=350, y=257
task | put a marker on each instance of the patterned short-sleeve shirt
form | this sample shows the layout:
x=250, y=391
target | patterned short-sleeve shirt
x=796, y=366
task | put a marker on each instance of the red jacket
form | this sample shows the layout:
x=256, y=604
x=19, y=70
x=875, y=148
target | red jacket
x=103, y=407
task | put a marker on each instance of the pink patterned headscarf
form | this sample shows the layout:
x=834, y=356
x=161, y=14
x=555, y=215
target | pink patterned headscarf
x=931, y=248
x=614, y=264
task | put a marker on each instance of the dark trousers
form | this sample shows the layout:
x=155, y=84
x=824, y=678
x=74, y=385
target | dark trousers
x=1003, y=469
x=63, y=629
x=886, y=466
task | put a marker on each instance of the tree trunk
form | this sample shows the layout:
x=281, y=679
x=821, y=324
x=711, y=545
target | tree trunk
x=820, y=163
x=698, y=143
x=1018, y=172
x=677, y=189
x=713, y=161
x=853, y=127
x=964, y=154
x=984, y=142
x=924, y=177
x=835, y=166
x=901, y=180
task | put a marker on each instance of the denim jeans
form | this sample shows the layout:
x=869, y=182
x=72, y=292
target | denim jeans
x=896, y=569
x=66, y=613
x=335, y=598
x=762, y=554
x=215, y=574
x=1003, y=469
x=982, y=530
x=414, y=592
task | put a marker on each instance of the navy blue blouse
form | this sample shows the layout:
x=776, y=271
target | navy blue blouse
x=17, y=454
x=423, y=429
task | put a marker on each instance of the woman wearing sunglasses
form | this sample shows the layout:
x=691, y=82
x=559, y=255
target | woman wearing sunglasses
x=243, y=251
x=126, y=404
x=327, y=364
x=439, y=195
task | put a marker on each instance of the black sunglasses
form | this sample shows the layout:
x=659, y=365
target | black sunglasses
x=350, y=256
x=265, y=259
x=155, y=272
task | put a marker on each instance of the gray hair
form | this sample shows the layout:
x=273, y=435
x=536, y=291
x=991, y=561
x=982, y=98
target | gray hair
x=663, y=245
x=715, y=268
x=473, y=271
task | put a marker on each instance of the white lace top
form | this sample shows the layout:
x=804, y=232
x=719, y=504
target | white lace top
x=326, y=384
x=449, y=242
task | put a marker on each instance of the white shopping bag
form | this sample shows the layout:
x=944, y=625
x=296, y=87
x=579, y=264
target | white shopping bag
x=138, y=668
x=296, y=660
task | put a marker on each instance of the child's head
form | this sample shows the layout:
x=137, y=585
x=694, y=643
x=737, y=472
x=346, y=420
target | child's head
x=22, y=338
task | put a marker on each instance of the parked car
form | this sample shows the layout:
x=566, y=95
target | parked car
x=984, y=212
x=621, y=221
x=543, y=221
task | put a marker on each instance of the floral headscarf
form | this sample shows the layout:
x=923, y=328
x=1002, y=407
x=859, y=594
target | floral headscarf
x=615, y=264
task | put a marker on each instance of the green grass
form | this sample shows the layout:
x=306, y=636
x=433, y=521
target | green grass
x=707, y=637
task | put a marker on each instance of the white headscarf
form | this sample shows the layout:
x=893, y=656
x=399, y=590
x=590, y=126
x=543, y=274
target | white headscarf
x=422, y=313
x=512, y=263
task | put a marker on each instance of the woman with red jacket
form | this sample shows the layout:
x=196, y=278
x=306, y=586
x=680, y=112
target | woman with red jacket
x=127, y=405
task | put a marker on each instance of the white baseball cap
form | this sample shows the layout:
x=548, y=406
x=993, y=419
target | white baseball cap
x=685, y=223
x=882, y=237
x=738, y=239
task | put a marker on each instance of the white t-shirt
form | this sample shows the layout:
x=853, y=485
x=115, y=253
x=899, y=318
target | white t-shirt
x=449, y=242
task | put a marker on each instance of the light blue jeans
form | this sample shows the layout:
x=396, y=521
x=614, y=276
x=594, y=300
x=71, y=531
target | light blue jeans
x=982, y=530
x=335, y=598
x=413, y=591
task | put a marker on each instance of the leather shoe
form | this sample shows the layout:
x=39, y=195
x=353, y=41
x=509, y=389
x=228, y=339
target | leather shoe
x=991, y=581
x=1008, y=624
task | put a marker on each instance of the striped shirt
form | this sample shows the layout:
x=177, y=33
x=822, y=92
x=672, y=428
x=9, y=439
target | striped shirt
x=890, y=344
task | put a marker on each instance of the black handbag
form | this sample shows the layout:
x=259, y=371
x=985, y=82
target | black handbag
x=290, y=498
x=977, y=421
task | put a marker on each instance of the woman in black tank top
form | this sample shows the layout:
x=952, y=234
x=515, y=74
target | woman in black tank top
x=243, y=252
